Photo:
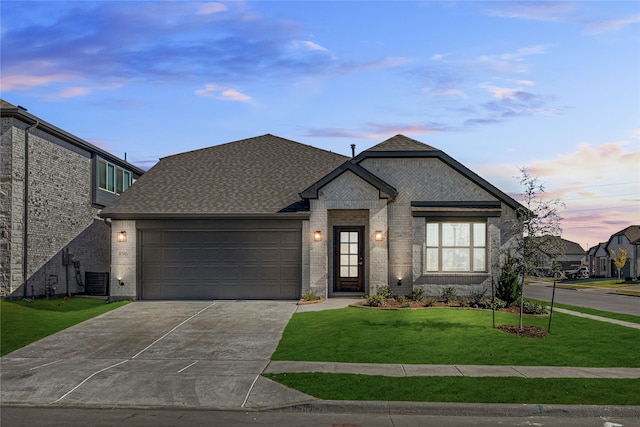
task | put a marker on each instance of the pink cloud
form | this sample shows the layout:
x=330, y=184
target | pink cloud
x=21, y=81
x=214, y=91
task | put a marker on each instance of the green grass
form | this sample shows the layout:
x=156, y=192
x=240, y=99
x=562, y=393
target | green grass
x=571, y=391
x=453, y=336
x=22, y=322
x=593, y=311
x=613, y=283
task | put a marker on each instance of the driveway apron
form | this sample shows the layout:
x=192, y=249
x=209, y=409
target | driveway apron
x=191, y=354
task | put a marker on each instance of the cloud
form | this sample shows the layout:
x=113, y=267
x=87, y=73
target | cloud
x=599, y=184
x=169, y=41
x=611, y=25
x=533, y=10
x=225, y=94
x=377, y=131
x=210, y=8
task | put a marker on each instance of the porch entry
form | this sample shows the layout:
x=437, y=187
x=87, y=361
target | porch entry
x=348, y=259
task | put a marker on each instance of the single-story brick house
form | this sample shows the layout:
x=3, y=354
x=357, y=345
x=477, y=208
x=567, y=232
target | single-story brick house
x=270, y=218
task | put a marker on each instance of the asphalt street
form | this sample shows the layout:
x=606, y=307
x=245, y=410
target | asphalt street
x=598, y=298
x=60, y=416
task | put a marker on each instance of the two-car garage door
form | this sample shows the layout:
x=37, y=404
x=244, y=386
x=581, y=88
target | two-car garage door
x=220, y=264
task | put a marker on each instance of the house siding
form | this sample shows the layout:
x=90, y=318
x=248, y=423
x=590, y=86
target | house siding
x=430, y=179
x=61, y=214
x=347, y=198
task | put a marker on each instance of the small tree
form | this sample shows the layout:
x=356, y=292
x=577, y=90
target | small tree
x=536, y=218
x=619, y=260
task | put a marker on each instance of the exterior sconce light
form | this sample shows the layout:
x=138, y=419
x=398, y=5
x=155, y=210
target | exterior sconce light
x=377, y=236
x=120, y=282
x=121, y=236
x=399, y=282
x=317, y=235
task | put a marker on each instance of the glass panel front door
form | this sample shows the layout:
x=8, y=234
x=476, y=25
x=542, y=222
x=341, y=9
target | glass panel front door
x=348, y=259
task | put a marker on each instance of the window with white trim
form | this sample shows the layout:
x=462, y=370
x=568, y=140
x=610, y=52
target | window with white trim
x=455, y=247
x=113, y=178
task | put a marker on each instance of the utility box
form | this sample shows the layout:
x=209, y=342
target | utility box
x=96, y=283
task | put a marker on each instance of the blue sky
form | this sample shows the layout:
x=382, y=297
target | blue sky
x=553, y=86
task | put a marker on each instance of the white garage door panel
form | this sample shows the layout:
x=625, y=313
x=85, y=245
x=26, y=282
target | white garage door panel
x=235, y=264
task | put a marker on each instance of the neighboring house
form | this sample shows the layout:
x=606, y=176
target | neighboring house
x=268, y=217
x=627, y=239
x=571, y=254
x=599, y=260
x=50, y=232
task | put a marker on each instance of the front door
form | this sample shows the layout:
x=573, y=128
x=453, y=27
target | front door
x=348, y=259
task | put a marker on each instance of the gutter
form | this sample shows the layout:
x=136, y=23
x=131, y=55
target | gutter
x=25, y=226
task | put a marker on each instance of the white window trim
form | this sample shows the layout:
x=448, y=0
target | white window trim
x=471, y=247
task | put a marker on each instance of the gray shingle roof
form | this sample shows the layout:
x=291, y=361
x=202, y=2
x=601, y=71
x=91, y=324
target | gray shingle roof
x=401, y=143
x=261, y=175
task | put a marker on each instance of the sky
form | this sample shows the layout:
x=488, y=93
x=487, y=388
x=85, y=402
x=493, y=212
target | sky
x=550, y=86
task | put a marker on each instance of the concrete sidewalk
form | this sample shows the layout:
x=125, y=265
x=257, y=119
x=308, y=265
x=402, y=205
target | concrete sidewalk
x=598, y=318
x=406, y=370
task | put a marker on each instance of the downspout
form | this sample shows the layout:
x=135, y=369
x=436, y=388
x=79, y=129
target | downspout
x=25, y=226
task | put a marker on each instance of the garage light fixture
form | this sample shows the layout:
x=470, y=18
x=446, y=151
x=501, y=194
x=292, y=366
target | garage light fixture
x=378, y=236
x=121, y=236
x=317, y=235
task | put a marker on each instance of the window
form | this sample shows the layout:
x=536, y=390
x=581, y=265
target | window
x=113, y=178
x=455, y=247
x=620, y=241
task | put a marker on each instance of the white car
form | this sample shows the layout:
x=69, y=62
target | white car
x=581, y=272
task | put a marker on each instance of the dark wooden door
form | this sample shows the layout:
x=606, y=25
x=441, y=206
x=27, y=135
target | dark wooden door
x=348, y=259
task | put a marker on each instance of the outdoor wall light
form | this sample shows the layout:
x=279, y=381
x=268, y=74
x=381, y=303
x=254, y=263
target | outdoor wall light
x=121, y=236
x=317, y=235
x=120, y=282
x=377, y=236
x=399, y=282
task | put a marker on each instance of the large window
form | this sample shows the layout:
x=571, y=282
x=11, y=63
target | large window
x=113, y=178
x=455, y=247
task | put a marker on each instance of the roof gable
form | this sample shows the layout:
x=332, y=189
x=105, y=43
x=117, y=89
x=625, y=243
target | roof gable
x=402, y=147
x=260, y=175
x=386, y=190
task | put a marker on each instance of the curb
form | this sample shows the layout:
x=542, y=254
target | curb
x=461, y=409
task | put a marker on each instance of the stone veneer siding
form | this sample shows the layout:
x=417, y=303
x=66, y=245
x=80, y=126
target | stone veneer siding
x=61, y=214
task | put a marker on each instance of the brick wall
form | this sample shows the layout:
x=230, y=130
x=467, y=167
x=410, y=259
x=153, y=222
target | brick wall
x=60, y=214
x=430, y=179
x=347, y=200
x=123, y=261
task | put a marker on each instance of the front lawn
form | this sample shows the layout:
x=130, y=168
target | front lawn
x=566, y=391
x=618, y=316
x=23, y=322
x=453, y=336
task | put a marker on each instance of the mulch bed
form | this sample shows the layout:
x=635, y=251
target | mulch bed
x=526, y=331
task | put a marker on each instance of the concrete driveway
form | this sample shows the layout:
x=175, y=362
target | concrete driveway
x=192, y=354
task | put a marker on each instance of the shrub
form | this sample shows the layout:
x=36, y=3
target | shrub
x=406, y=304
x=533, y=308
x=508, y=287
x=310, y=296
x=417, y=294
x=430, y=301
x=375, y=300
x=476, y=297
x=448, y=294
x=495, y=303
x=628, y=279
x=464, y=302
x=401, y=299
x=385, y=291
x=380, y=297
